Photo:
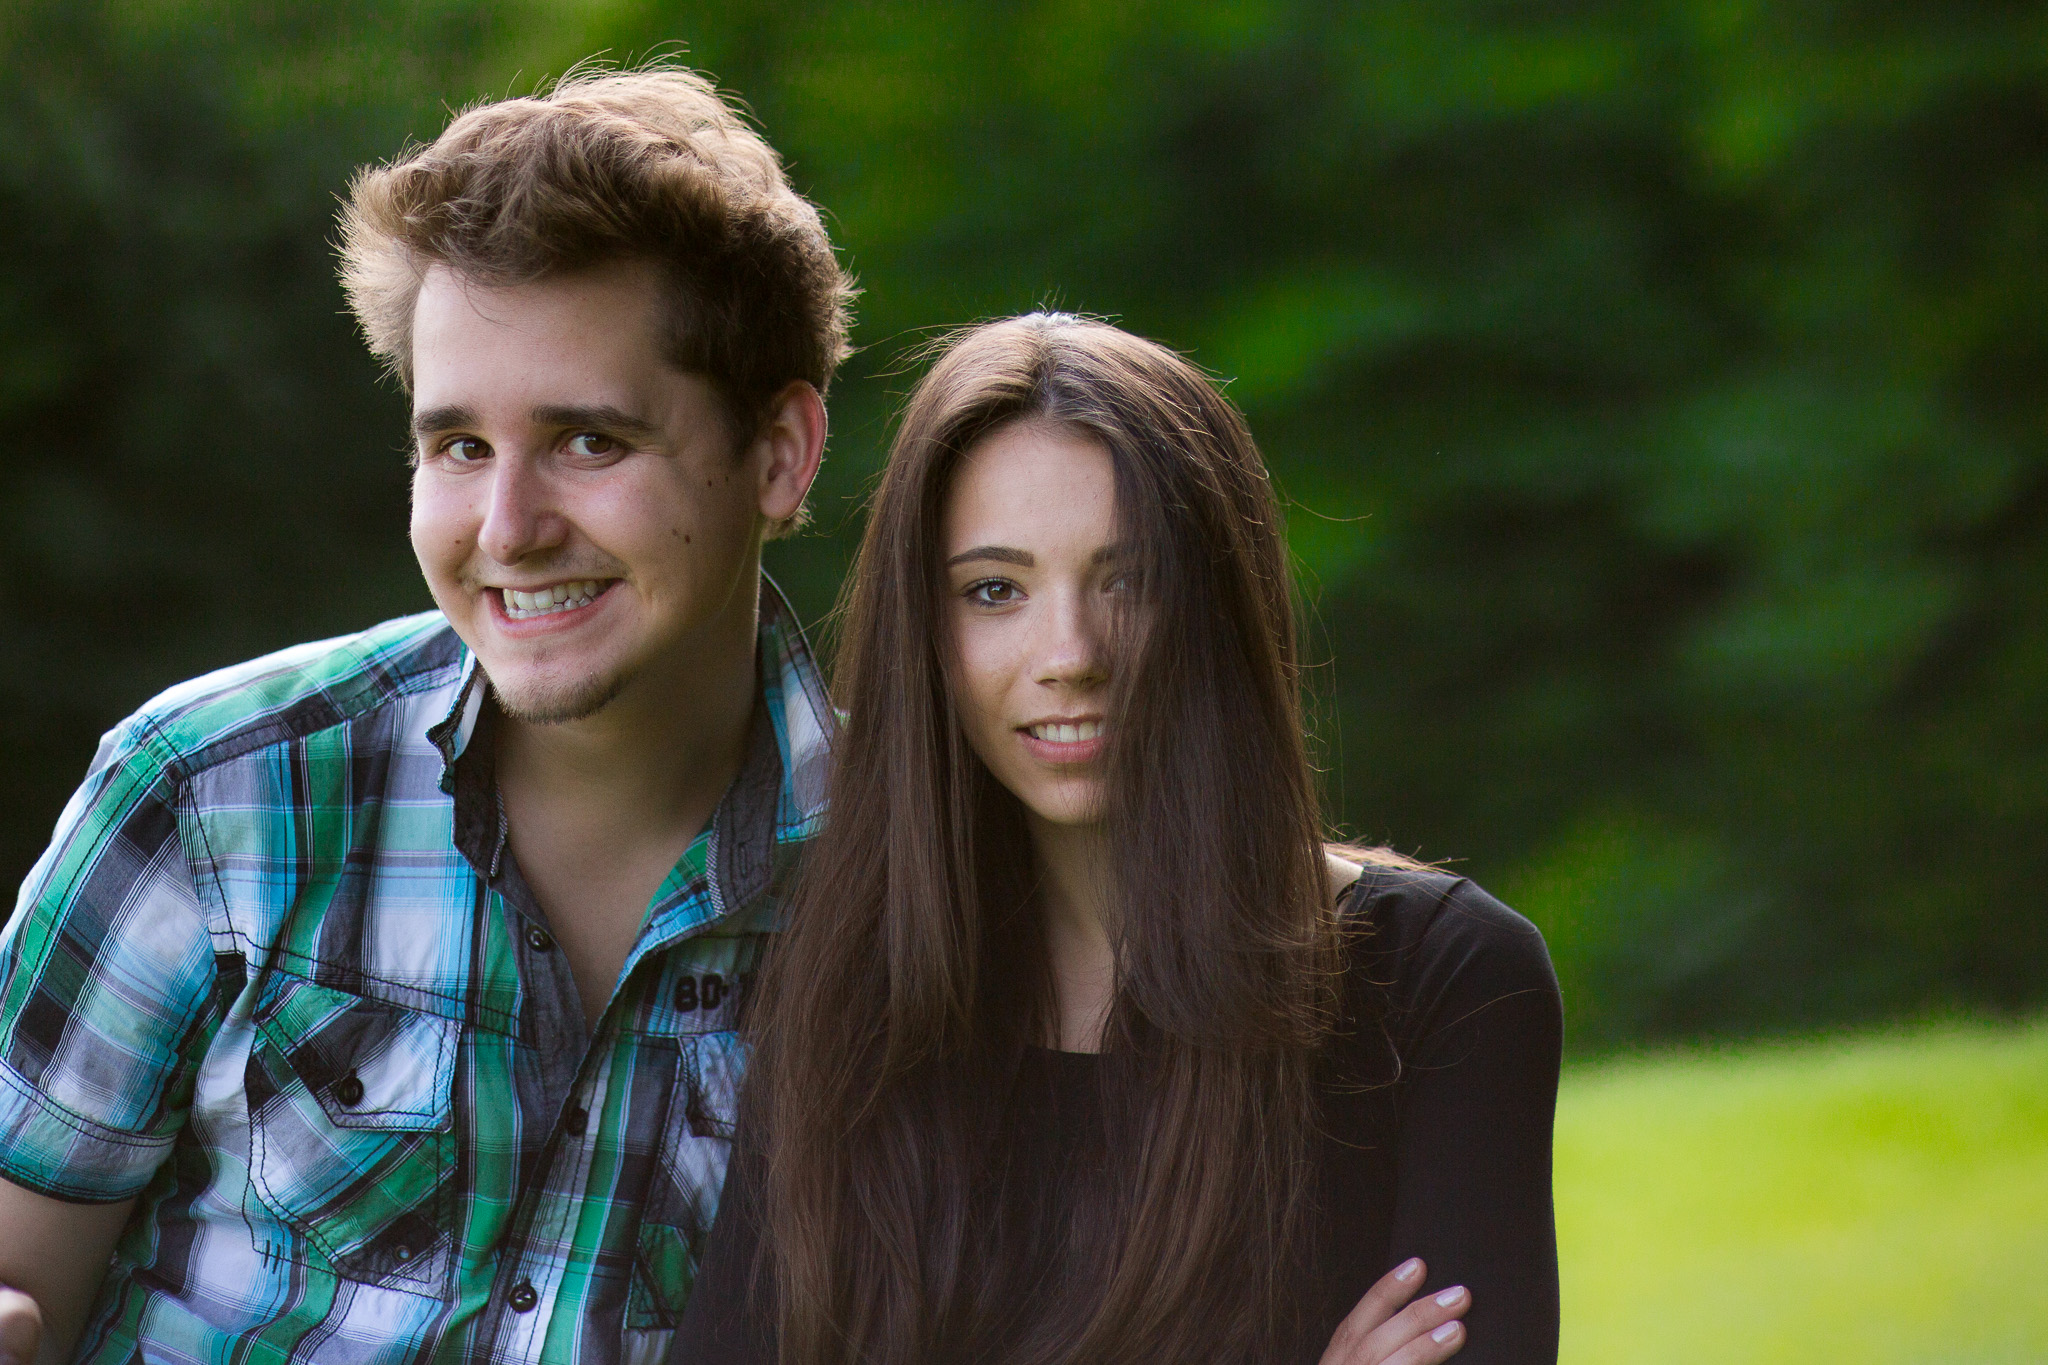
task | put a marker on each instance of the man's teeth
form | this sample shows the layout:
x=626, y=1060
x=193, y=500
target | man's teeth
x=561, y=597
x=1068, y=734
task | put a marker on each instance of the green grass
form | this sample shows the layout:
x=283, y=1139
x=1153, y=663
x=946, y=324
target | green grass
x=1876, y=1200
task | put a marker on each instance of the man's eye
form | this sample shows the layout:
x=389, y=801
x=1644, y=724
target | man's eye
x=592, y=445
x=993, y=592
x=465, y=450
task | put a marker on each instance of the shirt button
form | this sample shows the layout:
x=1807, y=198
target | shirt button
x=577, y=1120
x=522, y=1298
x=401, y=1253
x=538, y=940
x=349, y=1091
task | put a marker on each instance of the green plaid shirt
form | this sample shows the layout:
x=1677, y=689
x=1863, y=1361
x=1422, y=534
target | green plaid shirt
x=277, y=976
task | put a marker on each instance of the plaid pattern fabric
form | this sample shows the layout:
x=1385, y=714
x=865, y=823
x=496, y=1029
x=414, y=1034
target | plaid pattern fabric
x=273, y=977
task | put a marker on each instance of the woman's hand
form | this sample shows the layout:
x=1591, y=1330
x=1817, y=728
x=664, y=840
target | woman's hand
x=1374, y=1333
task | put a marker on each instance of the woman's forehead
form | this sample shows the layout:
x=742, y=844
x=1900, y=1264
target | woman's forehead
x=1032, y=484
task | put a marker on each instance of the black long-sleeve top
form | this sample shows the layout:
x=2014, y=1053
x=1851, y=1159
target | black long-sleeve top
x=1437, y=1101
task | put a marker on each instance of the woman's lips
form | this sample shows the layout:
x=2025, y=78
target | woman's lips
x=1063, y=742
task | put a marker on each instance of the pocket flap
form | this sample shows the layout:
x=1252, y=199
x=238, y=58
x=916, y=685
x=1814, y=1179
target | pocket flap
x=368, y=1063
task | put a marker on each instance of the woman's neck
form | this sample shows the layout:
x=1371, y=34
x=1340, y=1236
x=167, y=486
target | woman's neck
x=1073, y=897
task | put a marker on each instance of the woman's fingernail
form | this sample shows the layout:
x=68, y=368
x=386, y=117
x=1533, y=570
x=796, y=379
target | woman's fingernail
x=1408, y=1270
x=1445, y=1332
x=1450, y=1296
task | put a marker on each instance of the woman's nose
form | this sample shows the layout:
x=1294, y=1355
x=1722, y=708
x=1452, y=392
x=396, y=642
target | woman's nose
x=1075, y=643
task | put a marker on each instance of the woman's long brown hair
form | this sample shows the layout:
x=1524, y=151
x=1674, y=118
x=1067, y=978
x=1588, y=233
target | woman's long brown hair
x=913, y=975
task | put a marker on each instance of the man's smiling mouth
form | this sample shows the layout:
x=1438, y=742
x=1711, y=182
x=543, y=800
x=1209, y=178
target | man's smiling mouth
x=524, y=606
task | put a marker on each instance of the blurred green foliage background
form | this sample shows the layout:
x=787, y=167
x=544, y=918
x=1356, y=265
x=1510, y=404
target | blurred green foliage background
x=1660, y=390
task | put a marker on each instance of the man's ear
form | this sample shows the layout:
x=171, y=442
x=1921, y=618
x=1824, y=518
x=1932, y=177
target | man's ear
x=787, y=453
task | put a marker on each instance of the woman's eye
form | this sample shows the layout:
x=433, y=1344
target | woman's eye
x=592, y=445
x=993, y=592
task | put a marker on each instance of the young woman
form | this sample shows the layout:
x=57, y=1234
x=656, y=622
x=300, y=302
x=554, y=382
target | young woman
x=1079, y=1046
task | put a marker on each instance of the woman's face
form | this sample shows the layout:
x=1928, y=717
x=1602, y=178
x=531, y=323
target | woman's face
x=1031, y=572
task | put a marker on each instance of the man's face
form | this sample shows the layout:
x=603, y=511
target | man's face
x=578, y=509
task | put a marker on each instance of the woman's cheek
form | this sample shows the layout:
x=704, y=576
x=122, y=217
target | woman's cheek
x=983, y=659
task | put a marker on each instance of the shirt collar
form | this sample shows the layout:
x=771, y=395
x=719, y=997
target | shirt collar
x=452, y=733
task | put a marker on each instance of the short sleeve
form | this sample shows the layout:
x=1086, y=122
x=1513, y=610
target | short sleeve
x=106, y=973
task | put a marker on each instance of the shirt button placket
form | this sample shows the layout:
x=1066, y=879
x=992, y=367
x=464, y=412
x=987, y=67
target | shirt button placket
x=525, y=1321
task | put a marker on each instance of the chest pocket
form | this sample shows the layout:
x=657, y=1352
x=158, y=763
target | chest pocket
x=351, y=1131
x=689, y=1170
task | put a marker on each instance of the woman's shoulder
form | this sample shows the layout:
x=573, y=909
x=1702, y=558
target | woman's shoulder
x=1415, y=924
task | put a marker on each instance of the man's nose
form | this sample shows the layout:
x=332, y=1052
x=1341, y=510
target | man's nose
x=521, y=518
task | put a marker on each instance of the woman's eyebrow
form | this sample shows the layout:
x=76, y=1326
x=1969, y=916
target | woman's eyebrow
x=1001, y=554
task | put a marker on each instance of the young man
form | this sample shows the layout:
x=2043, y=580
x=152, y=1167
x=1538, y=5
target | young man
x=375, y=999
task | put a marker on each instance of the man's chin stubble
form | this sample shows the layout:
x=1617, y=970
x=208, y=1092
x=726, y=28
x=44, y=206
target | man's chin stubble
x=561, y=707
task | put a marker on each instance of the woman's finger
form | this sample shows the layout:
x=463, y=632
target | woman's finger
x=1378, y=1304
x=1412, y=1331
x=1438, y=1344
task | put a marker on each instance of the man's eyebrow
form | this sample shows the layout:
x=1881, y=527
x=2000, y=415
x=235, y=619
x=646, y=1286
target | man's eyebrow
x=448, y=418
x=454, y=416
x=1001, y=554
x=599, y=415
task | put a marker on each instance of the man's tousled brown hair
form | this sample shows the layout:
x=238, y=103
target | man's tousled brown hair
x=897, y=1007
x=648, y=164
